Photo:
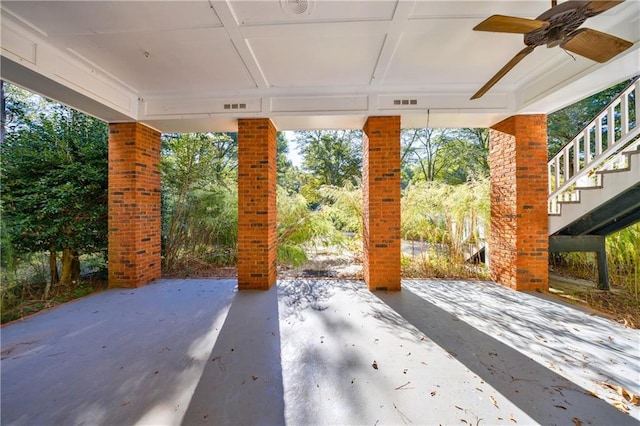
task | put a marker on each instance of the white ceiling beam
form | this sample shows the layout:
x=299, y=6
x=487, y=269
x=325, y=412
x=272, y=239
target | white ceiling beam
x=394, y=35
x=225, y=15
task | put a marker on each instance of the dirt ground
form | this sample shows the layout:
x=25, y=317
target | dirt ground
x=616, y=303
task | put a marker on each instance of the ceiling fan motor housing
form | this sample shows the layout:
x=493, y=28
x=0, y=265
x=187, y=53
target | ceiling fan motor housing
x=563, y=20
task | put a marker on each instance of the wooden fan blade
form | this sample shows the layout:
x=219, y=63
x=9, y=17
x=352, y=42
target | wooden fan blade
x=509, y=24
x=595, y=45
x=597, y=6
x=503, y=71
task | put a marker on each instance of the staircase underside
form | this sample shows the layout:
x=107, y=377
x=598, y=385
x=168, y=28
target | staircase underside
x=583, y=225
x=618, y=213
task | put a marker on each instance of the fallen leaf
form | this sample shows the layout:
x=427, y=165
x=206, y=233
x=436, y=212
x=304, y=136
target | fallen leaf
x=576, y=421
x=374, y=365
x=125, y=403
x=621, y=406
x=629, y=396
x=494, y=402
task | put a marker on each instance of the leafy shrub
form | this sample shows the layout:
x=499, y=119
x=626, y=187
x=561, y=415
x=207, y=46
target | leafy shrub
x=301, y=229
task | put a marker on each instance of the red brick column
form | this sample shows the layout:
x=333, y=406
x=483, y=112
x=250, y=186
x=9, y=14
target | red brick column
x=134, y=205
x=256, y=204
x=381, y=193
x=519, y=239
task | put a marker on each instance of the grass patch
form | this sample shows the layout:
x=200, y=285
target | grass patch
x=31, y=298
x=435, y=264
x=22, y=287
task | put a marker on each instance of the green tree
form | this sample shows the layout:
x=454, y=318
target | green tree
x=54, y=186
x=282, y=161
x=448, y=155
x=425, y=152
x=332, y=156
x=289, y=178
x=199, y=212
x=476, y=157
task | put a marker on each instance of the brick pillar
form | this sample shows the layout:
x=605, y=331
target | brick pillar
x=134, y=205
x=519, y=239
x=256, y=204
x=381, y=212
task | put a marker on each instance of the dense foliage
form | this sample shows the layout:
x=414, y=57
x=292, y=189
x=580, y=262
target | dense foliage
x=200, y=207
x=54, y=184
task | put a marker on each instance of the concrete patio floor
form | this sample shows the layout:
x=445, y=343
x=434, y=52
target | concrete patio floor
x=195, y=351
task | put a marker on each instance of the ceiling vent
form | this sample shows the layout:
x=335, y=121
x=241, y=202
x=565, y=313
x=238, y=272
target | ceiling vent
x=405, y=102
x=297, y=7
x=235, y=106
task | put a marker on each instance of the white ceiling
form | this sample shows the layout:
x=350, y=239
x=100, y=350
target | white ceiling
x=175, y=64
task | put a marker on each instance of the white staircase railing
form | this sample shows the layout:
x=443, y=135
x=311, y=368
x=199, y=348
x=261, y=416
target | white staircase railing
x=597, y=147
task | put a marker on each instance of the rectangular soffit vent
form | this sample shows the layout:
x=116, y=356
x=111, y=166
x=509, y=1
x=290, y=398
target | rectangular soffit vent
x=402, y=102
x=399, y=102
x=203, y=106
x=235, y=106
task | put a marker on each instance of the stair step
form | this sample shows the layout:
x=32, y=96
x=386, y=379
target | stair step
x=605, y=172
x=613, y=183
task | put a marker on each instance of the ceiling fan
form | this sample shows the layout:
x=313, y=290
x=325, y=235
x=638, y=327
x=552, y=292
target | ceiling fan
x=557, y=26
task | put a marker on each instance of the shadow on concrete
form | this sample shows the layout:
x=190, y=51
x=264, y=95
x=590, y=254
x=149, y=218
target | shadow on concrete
x=543, y=394
x=586, y=348
x=118, y=357
x=319, y=352
x=241, y=383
